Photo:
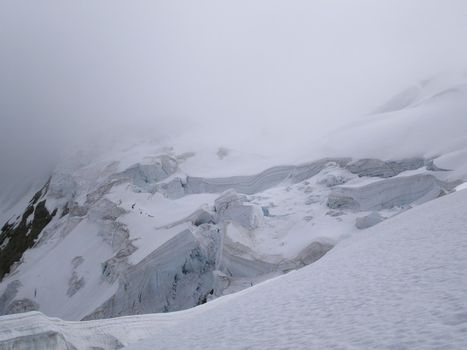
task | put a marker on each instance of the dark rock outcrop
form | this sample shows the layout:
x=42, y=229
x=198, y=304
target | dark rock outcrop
x=17, y=237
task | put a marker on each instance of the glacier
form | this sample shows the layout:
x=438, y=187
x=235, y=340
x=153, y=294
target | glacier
x=400, y=284
x=149, y=250
x=157, y=246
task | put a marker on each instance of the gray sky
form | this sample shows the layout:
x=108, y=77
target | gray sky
x=293, y=67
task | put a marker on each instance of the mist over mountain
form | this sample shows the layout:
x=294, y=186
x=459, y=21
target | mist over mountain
x=75, y=71
x=230, y=175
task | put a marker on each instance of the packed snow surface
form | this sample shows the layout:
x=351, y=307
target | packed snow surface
x=399, y=285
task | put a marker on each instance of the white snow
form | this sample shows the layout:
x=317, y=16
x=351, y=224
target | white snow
x=299, y=215
x=52, y=263
x=432, y=125
x=462, y=186
x=399, y=285
x=402, y=284
x=150, y=219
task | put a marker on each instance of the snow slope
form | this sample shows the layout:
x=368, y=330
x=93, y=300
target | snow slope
x=150, y=227
x=427, y=120
x=134, y=238
x=402, y=284
x=399, y=285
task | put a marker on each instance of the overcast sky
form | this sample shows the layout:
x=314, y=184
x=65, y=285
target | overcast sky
x=295, y=66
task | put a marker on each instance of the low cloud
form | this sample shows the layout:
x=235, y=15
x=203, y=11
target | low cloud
x=288, y=69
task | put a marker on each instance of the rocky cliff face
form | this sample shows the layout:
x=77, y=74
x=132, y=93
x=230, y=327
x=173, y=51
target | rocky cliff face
x=21, y=234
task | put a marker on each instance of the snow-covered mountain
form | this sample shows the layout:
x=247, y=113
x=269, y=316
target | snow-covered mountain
x=400, y=284
x=153, y=227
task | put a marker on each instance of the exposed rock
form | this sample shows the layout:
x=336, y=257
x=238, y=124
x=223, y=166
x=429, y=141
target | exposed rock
x=200, y=262
x=16, y=238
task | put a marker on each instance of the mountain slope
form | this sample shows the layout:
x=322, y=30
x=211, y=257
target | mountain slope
x=150, y=227
x=401, y=284
x=150, y=238
x=427, y=120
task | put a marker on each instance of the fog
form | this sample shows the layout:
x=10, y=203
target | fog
x=71, y=71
